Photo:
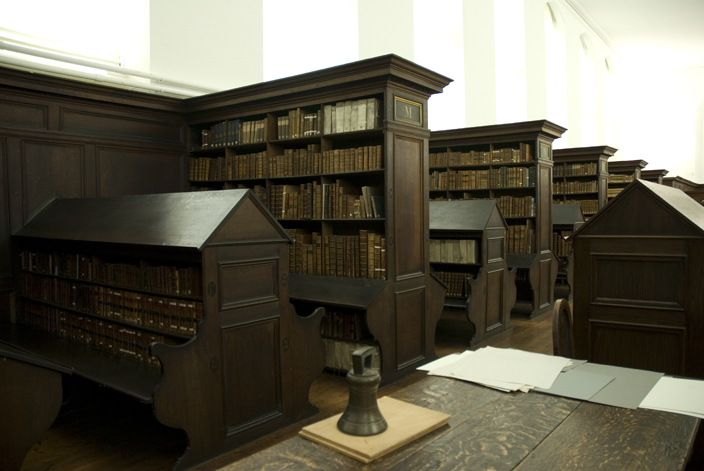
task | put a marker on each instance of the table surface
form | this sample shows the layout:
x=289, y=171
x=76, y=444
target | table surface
x=492, y=430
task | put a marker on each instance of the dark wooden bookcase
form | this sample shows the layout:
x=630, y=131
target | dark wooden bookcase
x=695, y=190
x=623, y=172
x=477, y=276
x=511, y=163
x=179, y=300
x=581, y=176
x=566, y=218
x=386, y=151
x=637, y=291
x=653, y=175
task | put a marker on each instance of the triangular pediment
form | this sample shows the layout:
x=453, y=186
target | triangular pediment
x=647, y=209
x=250, y=221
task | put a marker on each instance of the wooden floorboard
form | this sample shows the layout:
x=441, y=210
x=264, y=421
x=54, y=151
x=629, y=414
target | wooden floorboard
x=124, y=436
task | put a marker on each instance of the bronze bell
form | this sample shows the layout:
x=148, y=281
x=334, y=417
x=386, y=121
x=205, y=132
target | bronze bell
x=362, y=416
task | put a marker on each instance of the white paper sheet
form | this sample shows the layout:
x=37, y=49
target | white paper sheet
x=504, y=368
x=678, y=395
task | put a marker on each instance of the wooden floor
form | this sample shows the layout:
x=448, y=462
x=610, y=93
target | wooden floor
x=126, y=437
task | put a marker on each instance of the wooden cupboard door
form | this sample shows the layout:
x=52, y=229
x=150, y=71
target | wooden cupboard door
x=254, y=336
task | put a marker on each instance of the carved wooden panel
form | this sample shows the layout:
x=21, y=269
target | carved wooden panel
x=114, y=125
x=410, y=327
x=656, y=349
x=408, y=207
x=545, y=195
x=248, y=282
x=627, y=280
x=495, y=249
x=494, y=296
x=15, y=114
x=50, y=167
x=136, y=172
x=251, y=374
x=546, y=282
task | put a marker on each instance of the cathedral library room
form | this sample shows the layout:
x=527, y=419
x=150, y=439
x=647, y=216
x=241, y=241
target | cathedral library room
x=410, y=235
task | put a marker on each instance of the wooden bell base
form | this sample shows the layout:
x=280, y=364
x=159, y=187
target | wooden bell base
x=407, y=422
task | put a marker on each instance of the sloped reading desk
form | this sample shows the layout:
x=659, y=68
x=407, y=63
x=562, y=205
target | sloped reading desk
x=178, y=300
x=479, y=282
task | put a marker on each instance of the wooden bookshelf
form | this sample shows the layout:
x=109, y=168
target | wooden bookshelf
x=339, y=156
x=165, y=298
x=566, y=218
x=580, y=176
x=694, y=190
x=511, y=163
x=468, y=254
x=623, y=172
x=653, y=175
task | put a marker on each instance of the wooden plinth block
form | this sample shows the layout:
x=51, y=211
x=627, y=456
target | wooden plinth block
x=407, y=422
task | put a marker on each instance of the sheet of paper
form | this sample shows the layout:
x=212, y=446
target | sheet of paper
x=444, y=361
x=573, y=364
x=682, y=396
x=629, y=387
x=510, y=365
x=577, y=384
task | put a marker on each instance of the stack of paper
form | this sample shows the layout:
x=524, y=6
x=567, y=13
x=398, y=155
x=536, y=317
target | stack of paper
x=681, y=396
x=505, y=369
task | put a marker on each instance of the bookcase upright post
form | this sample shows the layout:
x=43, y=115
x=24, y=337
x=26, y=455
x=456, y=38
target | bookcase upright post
x=341, y=162
x=511, y=163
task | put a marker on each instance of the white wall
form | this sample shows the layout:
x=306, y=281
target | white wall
x=222, y=44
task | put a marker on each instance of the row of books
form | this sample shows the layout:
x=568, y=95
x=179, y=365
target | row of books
x=575, y=187
x=475, y=157
x=456, y=282
x=298, y=123
x=362, y=256
x=343, y=116
x=611, y=192
x=350, y=115
x=234, y=132
x=588, y=206
x=343, y=325
x=560, y=246
x=517, y=207
x=504, y=177
x=620, y=178
x=521, y=238
x=97, y=333
x=571, y=170
x=339, y=200
x=338, y=354
x=293, y=162
x=177, y=316
x=185, y=281
x=454, y=251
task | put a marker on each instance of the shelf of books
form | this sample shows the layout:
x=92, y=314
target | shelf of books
x=468, y=254
x=580, y=176
x=510, y=163
x=622, y=173
x=146, y=294
x=341, y=165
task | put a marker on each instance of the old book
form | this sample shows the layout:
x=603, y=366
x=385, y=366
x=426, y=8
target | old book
x=371, y=107
x=347, y=124
x=361, y=115
x=340, y=116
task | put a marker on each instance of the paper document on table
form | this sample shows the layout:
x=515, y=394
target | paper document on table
x=505, y=368
x=629, y=387
x=681, y=396
x=577, y=384
x=444, y=361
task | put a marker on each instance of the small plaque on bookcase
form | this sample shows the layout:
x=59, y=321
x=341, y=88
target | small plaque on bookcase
x=408, y=111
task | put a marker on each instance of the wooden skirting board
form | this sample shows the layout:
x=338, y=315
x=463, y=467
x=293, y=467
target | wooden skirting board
x=407, y=422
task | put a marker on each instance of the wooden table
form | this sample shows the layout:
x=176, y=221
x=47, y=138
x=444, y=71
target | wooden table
x=492, y=430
